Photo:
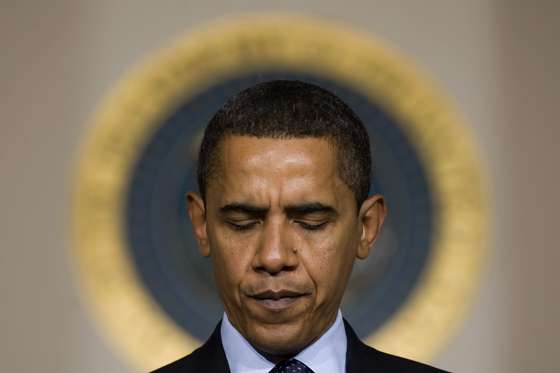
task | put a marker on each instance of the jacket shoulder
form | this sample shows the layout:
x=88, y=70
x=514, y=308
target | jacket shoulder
x=391, y=363
x=189, y=363
x=363, y=358
x=210, y=357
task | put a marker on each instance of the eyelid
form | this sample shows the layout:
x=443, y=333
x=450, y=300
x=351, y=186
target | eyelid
x=241, y=225
x=311, y=227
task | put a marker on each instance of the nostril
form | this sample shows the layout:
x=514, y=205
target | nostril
x=275, y=269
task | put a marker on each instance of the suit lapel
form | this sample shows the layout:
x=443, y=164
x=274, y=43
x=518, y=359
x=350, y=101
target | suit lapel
x=210, y=357
x=359, y=357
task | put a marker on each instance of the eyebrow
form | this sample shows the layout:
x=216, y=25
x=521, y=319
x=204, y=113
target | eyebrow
x=310, y=208
x=291, y=210
x=244, y=208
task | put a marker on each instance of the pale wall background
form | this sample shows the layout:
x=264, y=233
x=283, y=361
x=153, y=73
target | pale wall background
x=498, y=60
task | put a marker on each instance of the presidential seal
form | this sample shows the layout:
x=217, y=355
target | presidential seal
x=136, y=257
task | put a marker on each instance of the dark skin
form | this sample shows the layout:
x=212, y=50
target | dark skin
x=282, y=230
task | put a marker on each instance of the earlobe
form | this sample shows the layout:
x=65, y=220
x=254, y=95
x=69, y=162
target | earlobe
x=197, y=213
x=372, y=214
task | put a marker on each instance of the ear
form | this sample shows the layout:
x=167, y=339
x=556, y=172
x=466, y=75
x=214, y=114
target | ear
x=372, y=214
x=197, y=213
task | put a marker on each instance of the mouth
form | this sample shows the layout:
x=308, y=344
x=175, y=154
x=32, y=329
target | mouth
x=278, y=300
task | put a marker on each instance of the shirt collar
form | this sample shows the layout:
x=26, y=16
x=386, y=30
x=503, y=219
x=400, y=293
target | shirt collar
x=327, y=354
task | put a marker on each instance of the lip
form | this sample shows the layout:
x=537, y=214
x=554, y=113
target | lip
x=278, y=300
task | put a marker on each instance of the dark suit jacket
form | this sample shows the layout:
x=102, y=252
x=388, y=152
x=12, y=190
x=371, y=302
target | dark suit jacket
x=360, y=358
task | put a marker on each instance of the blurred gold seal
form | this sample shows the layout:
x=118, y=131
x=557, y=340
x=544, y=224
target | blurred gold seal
x=131, y=239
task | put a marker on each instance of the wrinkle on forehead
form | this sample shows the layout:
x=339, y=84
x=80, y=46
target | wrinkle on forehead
x=277, y=171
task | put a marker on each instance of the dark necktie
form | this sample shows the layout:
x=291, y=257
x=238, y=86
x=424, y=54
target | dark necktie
x=291, y=366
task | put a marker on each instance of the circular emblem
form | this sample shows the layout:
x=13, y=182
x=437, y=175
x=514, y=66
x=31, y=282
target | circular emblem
x=137, y=259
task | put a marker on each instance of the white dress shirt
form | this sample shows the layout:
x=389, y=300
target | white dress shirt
x=325, y=355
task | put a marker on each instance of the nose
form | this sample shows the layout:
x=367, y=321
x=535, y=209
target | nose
x=275, y=253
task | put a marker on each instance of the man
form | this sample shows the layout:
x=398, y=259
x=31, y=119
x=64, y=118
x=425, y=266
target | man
x=284, y=173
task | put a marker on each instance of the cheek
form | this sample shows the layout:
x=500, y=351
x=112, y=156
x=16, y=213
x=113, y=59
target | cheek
x=231, y=258
x=328, y=260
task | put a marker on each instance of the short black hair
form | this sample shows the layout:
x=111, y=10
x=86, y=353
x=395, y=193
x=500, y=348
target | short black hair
x=286, y=109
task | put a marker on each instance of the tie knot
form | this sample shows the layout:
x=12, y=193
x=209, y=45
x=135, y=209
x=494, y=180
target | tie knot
x=291, y=366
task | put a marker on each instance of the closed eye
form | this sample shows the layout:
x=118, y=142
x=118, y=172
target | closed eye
x=312, y=227
x=238, y=226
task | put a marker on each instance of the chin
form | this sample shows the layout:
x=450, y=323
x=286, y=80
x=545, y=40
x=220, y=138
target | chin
x=278, y=339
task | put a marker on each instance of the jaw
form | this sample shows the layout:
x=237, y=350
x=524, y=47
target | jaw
x=281, y=340
x=278, y=341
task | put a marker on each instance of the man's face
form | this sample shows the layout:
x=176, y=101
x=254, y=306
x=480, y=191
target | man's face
x=282, y=231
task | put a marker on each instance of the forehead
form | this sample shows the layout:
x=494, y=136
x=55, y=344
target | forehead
x=259, y=169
